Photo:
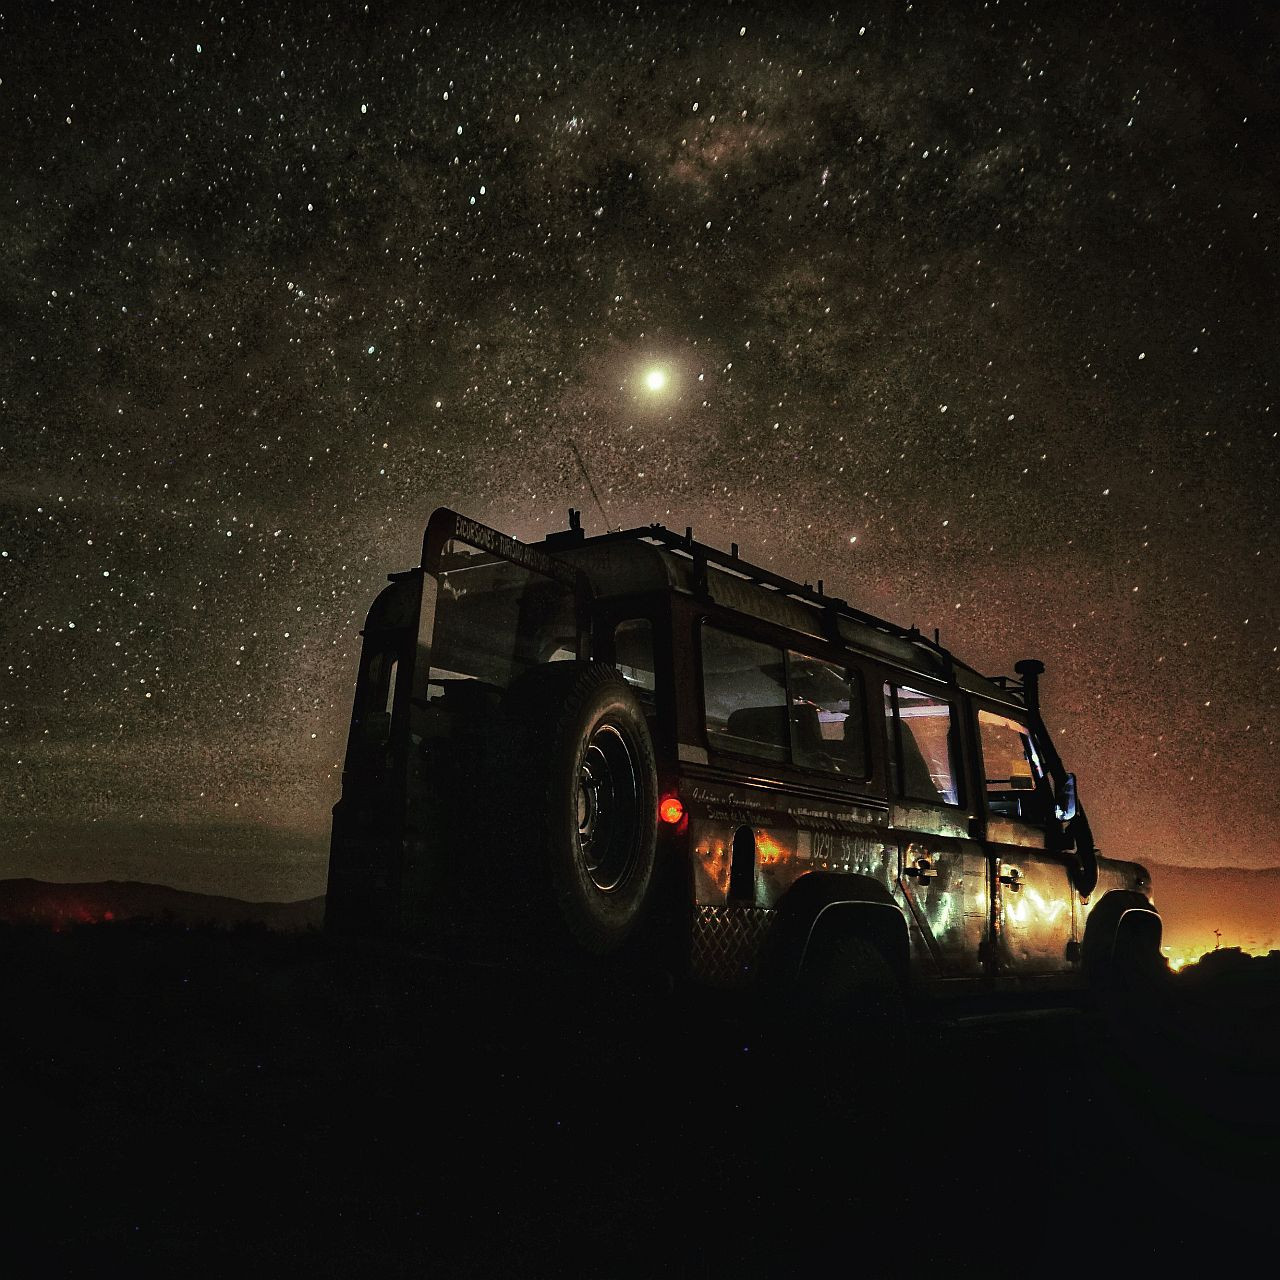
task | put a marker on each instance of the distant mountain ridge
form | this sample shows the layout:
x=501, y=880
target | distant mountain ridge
x=27, y=901
x=252, y=863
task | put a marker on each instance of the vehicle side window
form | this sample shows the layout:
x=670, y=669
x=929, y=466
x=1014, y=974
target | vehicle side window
x=785, y=706
x=1015, y=779
x=744, y=686
x=920, y=741
x=828, y=712
x=633, y=656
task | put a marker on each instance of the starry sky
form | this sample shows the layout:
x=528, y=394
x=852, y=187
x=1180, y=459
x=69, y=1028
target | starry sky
x=971, y=313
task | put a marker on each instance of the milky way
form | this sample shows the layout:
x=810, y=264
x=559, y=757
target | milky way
x=971, y=315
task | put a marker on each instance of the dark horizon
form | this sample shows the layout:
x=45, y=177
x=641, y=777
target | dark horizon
x=274, y=868
x=971, y=315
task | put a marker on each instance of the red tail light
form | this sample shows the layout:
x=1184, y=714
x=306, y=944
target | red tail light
x=671, y=809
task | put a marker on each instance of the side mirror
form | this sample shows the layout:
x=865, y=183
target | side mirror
x=1065, y=809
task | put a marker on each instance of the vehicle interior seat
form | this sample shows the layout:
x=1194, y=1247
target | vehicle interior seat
x=768, y=725
x=811, y=748
x=765, y=725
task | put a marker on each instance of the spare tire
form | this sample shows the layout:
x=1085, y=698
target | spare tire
x=585, y=787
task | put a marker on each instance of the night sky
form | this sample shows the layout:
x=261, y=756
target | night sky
x=971, y=313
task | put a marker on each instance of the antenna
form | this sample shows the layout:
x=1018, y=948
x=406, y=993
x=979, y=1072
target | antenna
x=590, y=485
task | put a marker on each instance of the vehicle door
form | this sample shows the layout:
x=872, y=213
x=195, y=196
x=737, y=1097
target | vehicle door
x=1033, y=892
x=943, y=872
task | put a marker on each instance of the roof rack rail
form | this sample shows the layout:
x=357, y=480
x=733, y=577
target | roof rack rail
x=702, y=555
x=1010, y=684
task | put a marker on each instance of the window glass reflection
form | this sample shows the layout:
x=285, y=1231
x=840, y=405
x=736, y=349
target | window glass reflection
x=920, y=734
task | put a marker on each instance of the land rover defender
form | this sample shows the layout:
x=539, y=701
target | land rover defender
x=637, y=744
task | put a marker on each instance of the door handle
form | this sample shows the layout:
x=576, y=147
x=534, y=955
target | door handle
x=923, y=869
x=1013, y=878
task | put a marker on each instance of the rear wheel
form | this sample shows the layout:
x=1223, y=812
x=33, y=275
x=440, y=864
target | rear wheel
x=847, y=985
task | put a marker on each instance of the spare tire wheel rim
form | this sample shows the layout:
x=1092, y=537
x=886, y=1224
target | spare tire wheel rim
x=608, y=808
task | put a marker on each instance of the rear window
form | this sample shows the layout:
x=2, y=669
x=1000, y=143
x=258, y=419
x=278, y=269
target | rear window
x=495, y=619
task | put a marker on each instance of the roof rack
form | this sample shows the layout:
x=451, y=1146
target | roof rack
x=702, y=555
x=1010, y=684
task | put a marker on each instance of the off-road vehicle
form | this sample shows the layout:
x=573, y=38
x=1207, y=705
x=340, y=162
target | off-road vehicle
x=636, y=744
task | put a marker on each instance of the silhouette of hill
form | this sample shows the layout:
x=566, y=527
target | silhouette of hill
x=250, y=862
x=28, y=901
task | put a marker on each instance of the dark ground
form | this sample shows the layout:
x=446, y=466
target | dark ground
x=244, y=1102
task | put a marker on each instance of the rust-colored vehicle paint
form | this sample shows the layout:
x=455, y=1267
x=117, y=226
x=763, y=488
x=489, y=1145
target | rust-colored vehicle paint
x=767, y=768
